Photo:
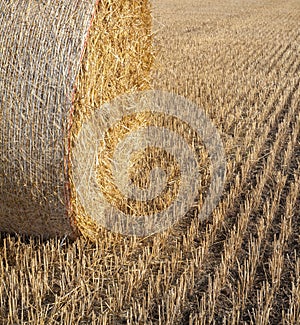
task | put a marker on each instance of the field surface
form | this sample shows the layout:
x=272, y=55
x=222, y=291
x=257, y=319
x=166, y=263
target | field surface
x=239, y=61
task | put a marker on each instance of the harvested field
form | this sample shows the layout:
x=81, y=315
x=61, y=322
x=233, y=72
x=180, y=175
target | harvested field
x=239, y=61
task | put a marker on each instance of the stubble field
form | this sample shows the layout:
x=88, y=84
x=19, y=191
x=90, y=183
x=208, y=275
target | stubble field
x=239, y=61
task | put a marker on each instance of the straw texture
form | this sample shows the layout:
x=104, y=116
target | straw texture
x=59, y=61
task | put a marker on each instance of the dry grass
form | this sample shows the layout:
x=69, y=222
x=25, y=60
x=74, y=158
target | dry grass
x=239, y=61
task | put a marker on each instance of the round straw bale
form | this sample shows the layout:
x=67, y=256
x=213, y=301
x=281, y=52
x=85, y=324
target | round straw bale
x=59, y=61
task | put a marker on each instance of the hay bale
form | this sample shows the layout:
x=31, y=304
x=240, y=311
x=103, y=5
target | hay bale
x=59, y=61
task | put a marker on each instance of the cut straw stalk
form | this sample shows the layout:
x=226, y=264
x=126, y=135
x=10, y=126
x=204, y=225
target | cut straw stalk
x=59, y=61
